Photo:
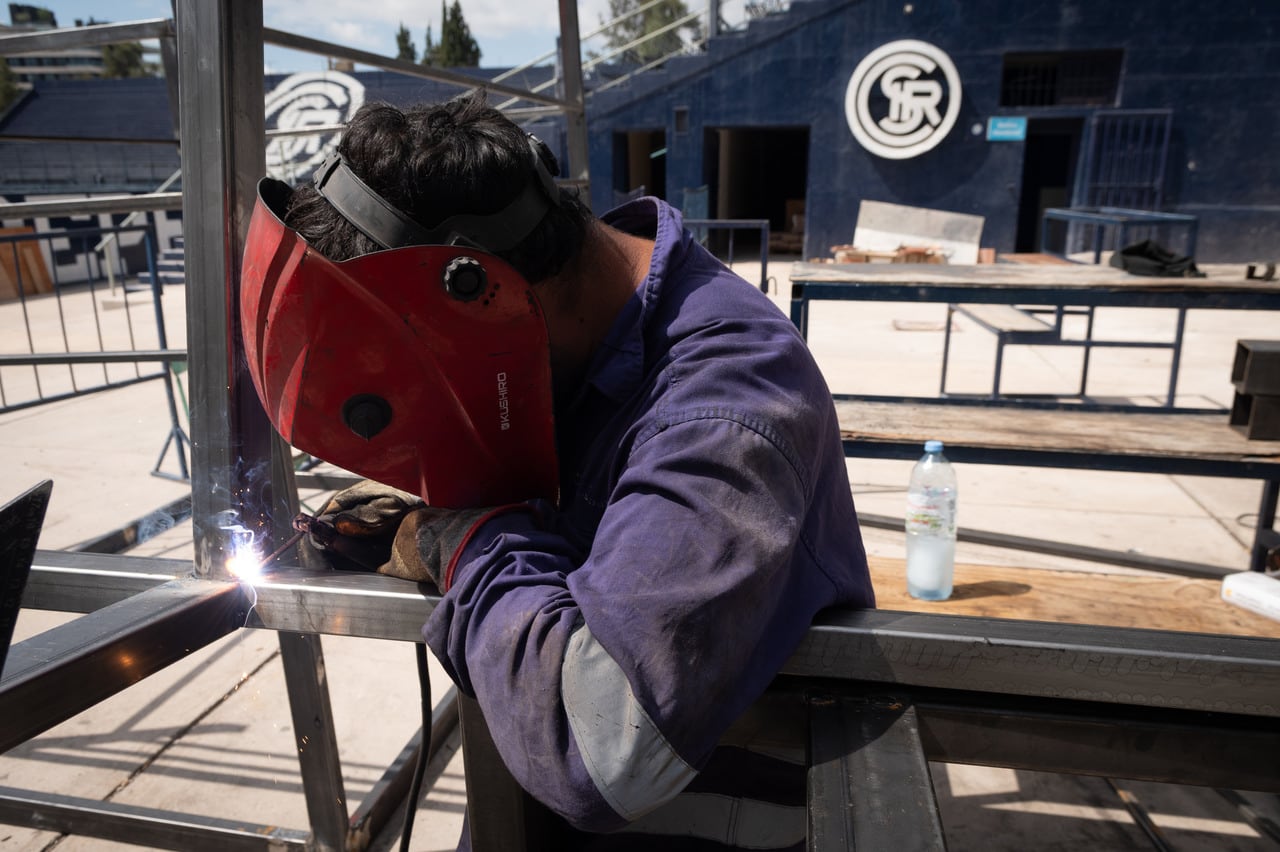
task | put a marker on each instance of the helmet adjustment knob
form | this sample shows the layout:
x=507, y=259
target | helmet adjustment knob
x=366, y=414
x=465, y=279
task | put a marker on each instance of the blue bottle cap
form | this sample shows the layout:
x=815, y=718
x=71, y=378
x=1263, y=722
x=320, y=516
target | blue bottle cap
x=933, y=446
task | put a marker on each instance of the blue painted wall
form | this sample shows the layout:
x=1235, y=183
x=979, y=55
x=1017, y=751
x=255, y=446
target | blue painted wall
x=1216, y=65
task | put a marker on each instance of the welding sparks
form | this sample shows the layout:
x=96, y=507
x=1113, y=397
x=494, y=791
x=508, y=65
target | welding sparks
x=245, y=565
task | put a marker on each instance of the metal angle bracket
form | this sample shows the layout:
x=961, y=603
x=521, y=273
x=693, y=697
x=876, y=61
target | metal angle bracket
x=20, y=522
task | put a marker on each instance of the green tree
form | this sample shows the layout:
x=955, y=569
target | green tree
x=457, y=48
x=639, y=24
x=8, y=85
x=405, y=48
x=124, y=60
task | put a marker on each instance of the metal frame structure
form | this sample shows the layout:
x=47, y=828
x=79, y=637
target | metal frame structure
x=1124, y=220
x=217, y=68
x=702, y=228
x=1081, y=286
x=875, y=694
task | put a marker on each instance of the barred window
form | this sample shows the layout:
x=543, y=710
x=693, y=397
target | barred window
x=1062, y=78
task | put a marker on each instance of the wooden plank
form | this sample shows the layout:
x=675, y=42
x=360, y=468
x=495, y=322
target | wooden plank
x=24, y=257
x=1156, y=602
x=1111, y=433
x=1004, y=318
x=1034, y=257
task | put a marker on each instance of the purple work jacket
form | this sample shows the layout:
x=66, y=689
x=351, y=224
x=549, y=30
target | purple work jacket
x=705, y=516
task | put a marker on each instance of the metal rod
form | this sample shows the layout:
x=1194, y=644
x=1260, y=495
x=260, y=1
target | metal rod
x=65, y=38
x=1058, y=548
x=117, y=357
x=1141, y=816
x=324, y=48
x=96, y=204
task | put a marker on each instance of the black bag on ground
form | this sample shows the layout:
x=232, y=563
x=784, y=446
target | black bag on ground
x=1150, y=258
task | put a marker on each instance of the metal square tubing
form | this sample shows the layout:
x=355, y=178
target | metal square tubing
x=142, y=826
x=53, y=676
x=868, y=781
x=1113, y=665
x=20, y=522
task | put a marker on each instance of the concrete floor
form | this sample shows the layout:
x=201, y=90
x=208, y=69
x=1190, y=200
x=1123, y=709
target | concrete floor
x=211, y=735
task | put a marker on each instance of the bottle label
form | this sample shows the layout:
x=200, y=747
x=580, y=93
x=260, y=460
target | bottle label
x=931, y=512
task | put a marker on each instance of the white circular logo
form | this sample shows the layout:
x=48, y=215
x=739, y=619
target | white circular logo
x=894, y=102
x=310, y=99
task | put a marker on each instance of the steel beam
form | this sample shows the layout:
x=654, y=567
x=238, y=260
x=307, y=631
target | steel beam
x=1115, y=665
x=64, y=581
x=56, y=674
x=142, y=826
x=343, y=603
x=578, y=168
x=223, y=156
x=868, y=781
x=1082, y=738
x=66, y=38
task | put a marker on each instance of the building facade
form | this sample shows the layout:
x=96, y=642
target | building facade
x=999, y=108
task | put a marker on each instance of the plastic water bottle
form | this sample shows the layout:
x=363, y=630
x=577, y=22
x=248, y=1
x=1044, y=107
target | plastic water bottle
x=931, y=526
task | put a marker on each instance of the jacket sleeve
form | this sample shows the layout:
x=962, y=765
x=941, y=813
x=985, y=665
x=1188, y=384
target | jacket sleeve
x=607, y=677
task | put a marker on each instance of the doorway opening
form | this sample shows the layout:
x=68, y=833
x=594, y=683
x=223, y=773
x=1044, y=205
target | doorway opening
x=1051, y=152
x=759, y=173
x=639, y=164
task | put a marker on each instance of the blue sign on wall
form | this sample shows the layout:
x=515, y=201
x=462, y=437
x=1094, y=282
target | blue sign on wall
x=1006, y=128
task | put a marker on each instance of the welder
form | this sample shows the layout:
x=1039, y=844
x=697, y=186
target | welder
x=615, y=459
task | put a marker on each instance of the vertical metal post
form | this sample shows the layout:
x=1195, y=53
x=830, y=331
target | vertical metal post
x=241, y=474
x=313, y=730
x=713, y=19
x=578, y=168
x=1179, y=333
x=221, y=99
x=1266, y=537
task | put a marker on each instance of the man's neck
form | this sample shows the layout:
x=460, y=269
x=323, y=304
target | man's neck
x=582, y=302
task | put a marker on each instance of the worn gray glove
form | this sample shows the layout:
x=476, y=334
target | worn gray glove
x=356, y=528
x=374, y=527
x=426, y=542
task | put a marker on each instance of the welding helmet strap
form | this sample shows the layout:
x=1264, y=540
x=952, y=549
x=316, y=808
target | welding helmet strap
x=390, y=228
x=365, y=209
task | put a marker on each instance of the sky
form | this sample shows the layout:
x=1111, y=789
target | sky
x=509, y=33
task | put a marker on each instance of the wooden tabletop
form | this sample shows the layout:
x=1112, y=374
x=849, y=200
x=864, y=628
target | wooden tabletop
x=1155, y=602
x=1154, y=434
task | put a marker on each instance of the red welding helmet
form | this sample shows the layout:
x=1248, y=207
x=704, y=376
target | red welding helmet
x=424, y=367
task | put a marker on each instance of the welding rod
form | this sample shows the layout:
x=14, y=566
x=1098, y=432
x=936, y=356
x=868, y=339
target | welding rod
x=279, y=551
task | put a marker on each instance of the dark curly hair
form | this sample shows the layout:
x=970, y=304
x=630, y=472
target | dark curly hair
x=434, y=161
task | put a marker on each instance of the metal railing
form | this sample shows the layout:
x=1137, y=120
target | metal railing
x=702, y=229
x=101, y=346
